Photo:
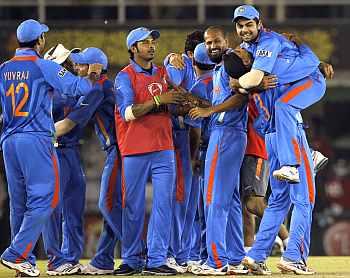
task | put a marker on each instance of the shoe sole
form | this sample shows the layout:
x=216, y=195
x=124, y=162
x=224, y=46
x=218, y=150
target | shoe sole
x=237, y=272
x=254, y=268
x=287, y=269
x=52, y=273
x=321, y=165
x=96, y=273
x=147, y=272
x=19, y=273
x=282, y=177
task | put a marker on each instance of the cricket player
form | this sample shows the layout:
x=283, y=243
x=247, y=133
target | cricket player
x=297, y=75
x=186, y=141
x=225, y=153
x=63, y=242
x=27, y=83
x=99, y=106
x=273, y=53
x=144, y=135
x=195, y=249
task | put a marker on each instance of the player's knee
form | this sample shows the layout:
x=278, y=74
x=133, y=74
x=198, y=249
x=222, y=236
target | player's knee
x=255, y=205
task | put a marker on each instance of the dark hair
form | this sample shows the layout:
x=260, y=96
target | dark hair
x=30, y=44
x=203, y=66
x=234, y=65
x=131, y=54
x=216, y=28
x=193, y=39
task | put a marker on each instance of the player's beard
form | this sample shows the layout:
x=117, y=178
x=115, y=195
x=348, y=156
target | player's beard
x=215, y=57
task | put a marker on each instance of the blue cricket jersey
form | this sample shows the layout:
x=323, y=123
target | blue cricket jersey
x=236, y=117
x=185, y=78
x=203, y=88
x=265, y=102
x=26, y=88
x=99, y=107
x=275, y=54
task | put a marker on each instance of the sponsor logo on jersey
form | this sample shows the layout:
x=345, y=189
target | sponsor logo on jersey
x=263, y=53
x=155, y=89
x=62, y=72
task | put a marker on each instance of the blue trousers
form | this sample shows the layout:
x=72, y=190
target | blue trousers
x=182, y=193
x=301, y=195
x=198, y=237
x=33, y=184
x=188, y=231
x=70, y=210
x=110, y=204
x=222, y=199
x=296, y=98
x=137, y=169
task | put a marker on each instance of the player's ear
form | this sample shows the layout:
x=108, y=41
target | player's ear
x=260, y=26
x=134, y=48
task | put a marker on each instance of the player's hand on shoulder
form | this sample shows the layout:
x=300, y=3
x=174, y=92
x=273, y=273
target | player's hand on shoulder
x=177, y=61
x=327, y=70
x=293, y=38
x=245, y=56
x=268, y=82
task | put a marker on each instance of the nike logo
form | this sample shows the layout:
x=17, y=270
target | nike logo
x=84, y=104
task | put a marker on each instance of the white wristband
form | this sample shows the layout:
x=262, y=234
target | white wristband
x=129, y=116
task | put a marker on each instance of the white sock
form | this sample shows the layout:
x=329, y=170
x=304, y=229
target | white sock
x=285, y=243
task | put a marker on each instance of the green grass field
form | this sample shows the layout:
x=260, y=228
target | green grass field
x=324, y=266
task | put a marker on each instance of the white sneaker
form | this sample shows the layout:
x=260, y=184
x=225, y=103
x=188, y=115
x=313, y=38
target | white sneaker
x=65, y=269
x=319, y=160
x=22, y=268
x=299, y=268
x=191, y=264
x=237, y=269
x=287, y=173
x=255, y=267
x=171, y=262
x=89, y=269
x=205, y=269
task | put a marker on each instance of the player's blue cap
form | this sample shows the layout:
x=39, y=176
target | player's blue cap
x=140, y=34
x=90, y=55
x=200, y=55
x=246, y=11
x=29, y=30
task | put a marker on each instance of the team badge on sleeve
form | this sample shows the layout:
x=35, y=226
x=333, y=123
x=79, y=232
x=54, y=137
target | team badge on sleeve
x=62, y=72
x=263, y=53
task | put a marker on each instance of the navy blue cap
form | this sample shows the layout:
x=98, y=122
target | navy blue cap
x=90, y=55
x=200, y=55
x=140, y=34
x=246, y=11
x=30, y=30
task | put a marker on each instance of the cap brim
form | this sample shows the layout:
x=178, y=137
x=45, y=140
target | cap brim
x=240, y=16
x=44, y=28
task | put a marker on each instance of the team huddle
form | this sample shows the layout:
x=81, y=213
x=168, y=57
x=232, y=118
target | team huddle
x=210, y=129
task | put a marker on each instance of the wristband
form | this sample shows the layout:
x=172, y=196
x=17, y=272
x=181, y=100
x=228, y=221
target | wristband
x=156, y=100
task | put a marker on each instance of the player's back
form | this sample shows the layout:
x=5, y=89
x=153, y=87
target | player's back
x=25, y=97
x=104, y=117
